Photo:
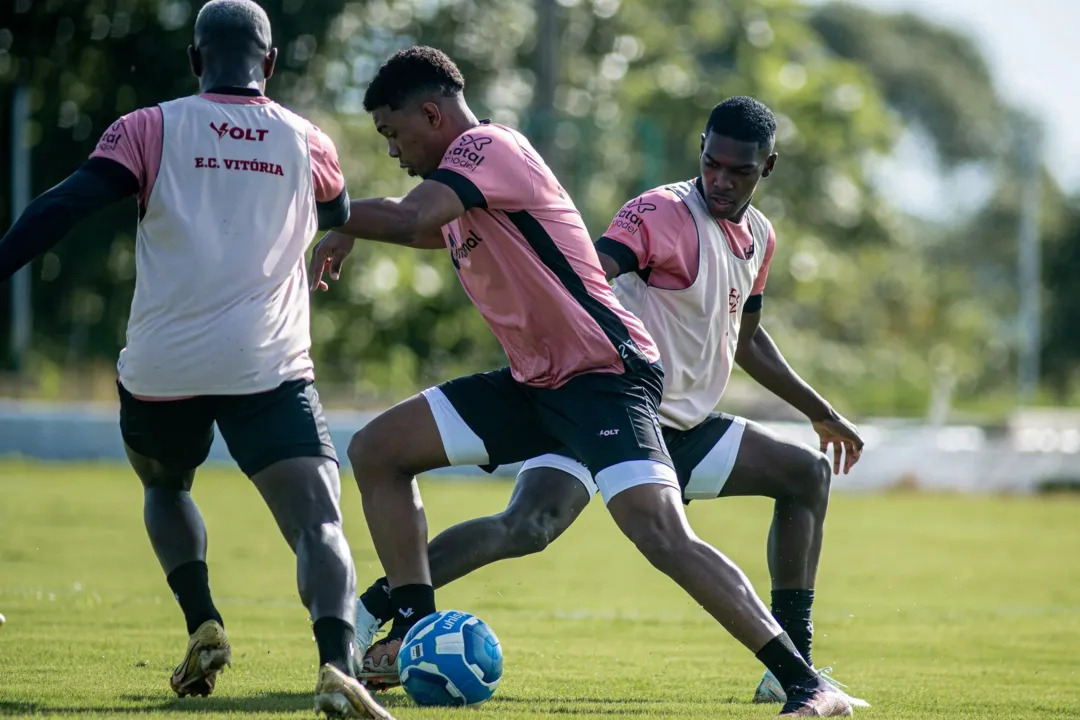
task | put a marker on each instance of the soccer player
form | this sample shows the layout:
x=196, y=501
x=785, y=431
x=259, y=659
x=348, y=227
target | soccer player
x=583, y=372
x=231, y=190
x=690, y=260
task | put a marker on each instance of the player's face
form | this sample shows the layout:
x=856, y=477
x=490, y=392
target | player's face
x=730, y=171
x=412, y=137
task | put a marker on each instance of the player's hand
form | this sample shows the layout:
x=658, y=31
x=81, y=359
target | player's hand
x=327, y=257
x=845, y=439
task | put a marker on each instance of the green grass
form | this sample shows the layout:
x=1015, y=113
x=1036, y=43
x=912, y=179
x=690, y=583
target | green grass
x=930, y=606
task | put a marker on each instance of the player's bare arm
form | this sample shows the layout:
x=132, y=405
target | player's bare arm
x=426, y=208
x=758, y=355
x=412, y=221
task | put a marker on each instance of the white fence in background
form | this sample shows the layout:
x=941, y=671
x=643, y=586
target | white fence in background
x=1034, y=448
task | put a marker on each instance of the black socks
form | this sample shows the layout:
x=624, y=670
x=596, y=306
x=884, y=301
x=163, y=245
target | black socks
x=785, y=662
x=377, y=600
x=334, y=637
x=791, y=608
x=190, y=584
x=410, y=603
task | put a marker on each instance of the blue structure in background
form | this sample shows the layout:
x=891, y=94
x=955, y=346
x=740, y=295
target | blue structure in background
x=88, y=432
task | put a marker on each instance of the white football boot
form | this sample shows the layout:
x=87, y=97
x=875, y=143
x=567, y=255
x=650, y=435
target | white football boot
x=770, y=690
x=367, y=627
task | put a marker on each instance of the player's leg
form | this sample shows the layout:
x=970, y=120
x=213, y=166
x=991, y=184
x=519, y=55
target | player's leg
x=750, y=460
x=165, y=442
x=615, y=430
x=281, y=441
x=545, y=501
x=548, y=496
x=797, y=478
x=484, y=420
x=304, y=495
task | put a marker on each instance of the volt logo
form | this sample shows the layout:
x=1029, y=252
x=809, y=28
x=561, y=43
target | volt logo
x=239, y=133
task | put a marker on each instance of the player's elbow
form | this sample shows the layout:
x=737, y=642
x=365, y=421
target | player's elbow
x=746, y=355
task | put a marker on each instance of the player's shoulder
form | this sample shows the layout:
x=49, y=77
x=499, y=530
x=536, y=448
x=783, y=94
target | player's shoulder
x=141, y=116
x=137, y=126
x=300, y=123
x=488, y=137
x=492, y=132
x=664, y=203
x=478, y=145
x=760, y=225
x=318, y=141
x=670, y=195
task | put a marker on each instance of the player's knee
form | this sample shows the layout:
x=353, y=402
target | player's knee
x=529, y=532
x=375, y=452
x=369, y=455
x=662, y=540
x=360, y=448
x=816, y=481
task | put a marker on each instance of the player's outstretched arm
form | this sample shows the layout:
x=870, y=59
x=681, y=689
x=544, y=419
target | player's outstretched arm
x=402, y=221
x=100, y=182
x=414, y=221
x=757, y=354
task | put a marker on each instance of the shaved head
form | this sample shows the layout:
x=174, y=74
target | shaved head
x=233, y=47
x=233, y=27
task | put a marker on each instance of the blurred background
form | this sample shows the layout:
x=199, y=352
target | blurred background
x=926, y=200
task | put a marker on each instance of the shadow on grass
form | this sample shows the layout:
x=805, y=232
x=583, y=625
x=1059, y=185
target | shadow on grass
x=617, y=707
x=275, y=702
x=286, y=702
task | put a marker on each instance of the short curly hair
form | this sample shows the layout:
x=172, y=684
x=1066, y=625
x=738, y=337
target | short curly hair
x=743, y=118
x=410, y=72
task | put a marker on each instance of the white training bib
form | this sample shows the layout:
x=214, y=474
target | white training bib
x=221, y=298
x=697, y=328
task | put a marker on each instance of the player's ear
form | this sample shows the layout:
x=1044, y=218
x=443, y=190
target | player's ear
x=432, y=114
x=702, y=143
x=195, y=60
x=770, y=162
x=269, y=62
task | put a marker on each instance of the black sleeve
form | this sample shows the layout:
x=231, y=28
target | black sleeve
x=618, y=252
x=334, y=213
x=98, y=183
x=470, y=195
x=753, y=303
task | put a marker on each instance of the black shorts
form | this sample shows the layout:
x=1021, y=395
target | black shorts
x=703, y=456
x=259, y=430
x=689, y=447
x=606, y=418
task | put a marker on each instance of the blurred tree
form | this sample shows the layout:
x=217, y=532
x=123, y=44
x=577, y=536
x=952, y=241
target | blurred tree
x=937, y=80
x=933, y=75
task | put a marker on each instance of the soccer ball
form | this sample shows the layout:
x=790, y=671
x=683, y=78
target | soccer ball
x=450, y=658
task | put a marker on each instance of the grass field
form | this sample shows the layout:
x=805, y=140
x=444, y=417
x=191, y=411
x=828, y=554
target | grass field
x=930, y=606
